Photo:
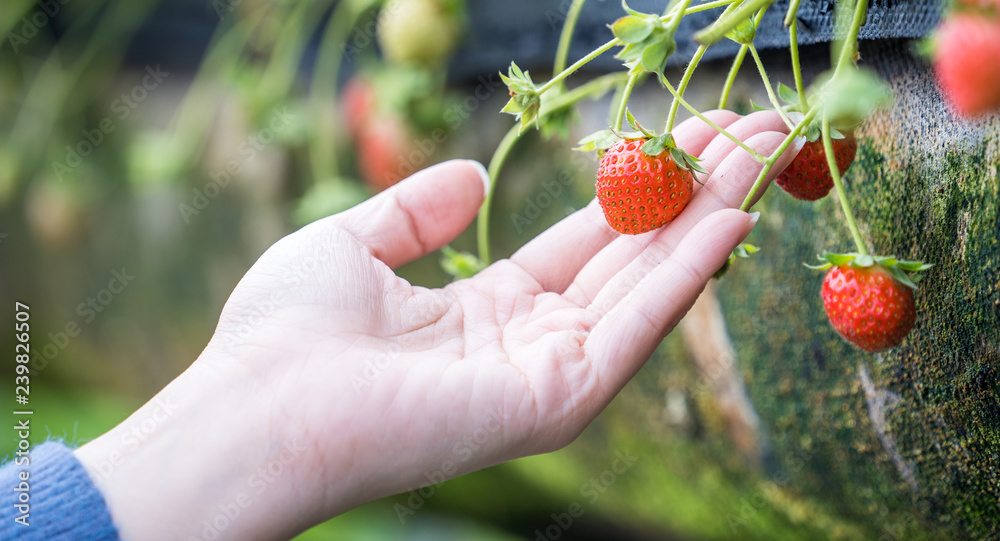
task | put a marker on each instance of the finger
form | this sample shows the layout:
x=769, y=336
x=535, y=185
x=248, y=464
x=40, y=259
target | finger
x=555, y=257
x=725, y=189
x=626, y=336
x=693, y=135
x=721, y=146
x=420, y=214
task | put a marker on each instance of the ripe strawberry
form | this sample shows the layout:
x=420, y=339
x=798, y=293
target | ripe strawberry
x=358, y=103
x=965, y=63
x=639, y=192
x=808, y=176
x=385, y=151
x=868, y=306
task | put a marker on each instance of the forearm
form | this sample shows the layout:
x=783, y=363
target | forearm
x=187, y=466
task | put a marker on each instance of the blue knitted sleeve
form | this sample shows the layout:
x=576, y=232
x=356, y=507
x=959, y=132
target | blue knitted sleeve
x=51, y=497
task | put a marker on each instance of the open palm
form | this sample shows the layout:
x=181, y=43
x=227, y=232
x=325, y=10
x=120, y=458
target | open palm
x=394, y=386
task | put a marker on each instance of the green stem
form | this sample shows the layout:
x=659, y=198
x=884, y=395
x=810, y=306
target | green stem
x=723, y=25
x=682, y=86
x=767, y=86
x=593, y=88
x=731, y=78
x=190, y=126
x=756, y=155
x=711, y=5
x=793, y=45
x=681, y=10
x=496, y=163
x=838, y=185
x=773, y=158
x=793, y=12
x=566, y=37
x=850, y=47
x=577, y=65
x=623, y=104
x=323, y=90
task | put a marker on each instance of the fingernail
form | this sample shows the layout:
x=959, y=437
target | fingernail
x=484, y=175
x=754, y=216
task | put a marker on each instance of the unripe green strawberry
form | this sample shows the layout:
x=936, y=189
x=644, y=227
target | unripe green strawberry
x=423, y=32
x=868, y=307
x=639, y=192
x=808, y=176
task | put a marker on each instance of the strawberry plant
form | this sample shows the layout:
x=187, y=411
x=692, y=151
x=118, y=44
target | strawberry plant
x=644, y=180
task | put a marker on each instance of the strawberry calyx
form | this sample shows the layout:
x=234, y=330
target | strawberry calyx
x=655, y=144
x=743, y=251
x=525, y=99
x=907, y=273
x=648, y=40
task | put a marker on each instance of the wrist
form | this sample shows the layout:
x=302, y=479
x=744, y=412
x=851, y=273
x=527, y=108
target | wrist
x=187, y=465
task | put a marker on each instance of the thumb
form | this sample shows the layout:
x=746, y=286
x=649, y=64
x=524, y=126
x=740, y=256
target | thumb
x=420, y=214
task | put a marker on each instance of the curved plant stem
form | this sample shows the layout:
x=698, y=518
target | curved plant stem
x=767, y=86
x=773, y=158
x=577, y=65
x=793, y=12
x=838, y=185
x=496, y=163
x=849, y=48
x=756, y=155
x=323, y=89
x=731, y=78
x=711, y=5
x=566, y=37
x=682, y=86
x=623, y=104
x=793, y=45
x=592, y=89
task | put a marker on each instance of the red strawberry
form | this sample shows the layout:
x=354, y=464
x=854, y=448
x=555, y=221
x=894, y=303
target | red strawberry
x=808, y=176
x=357, y=103
x=639, y=192
x=965, y=62
x=385, y=151
x=868, y=307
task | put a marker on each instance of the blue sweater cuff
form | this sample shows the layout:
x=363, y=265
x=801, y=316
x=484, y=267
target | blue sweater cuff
x=62, y=500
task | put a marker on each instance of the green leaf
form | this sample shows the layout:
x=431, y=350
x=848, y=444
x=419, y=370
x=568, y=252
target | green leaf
x=631, y=120
x=898, y=274
x=601, y=140
x=460, y=264
x=512, y=107
x=787, y=95
x=823, y=266
x=838, y=259
x=655, y=55
x=632, y=29
x=744, y=32
x=863, y=261
x=654, y=146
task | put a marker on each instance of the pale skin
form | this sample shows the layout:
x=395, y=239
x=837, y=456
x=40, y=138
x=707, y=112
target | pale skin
x=360, y=385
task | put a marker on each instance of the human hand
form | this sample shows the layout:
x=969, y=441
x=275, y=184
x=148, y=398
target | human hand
x=369, y=386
